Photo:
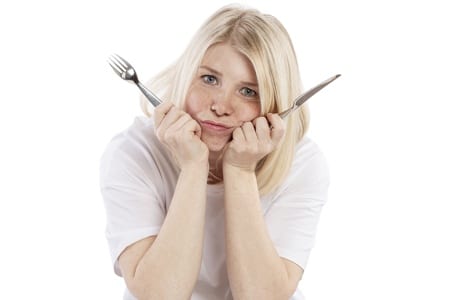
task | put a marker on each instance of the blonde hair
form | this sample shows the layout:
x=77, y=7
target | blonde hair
x=266, y=43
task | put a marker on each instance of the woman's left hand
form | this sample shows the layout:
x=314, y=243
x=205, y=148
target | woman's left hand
x=253, y=141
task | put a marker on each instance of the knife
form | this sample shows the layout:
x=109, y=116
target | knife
x=306, y=95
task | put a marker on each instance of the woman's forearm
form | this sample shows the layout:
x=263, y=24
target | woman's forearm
x=169, y=269
x=254, y=267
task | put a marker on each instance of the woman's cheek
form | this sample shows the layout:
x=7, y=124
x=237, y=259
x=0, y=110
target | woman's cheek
x=196, y=101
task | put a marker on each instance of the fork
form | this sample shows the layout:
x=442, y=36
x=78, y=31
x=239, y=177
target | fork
x=127, y=72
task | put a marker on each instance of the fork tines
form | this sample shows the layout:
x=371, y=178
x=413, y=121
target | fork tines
x=118, y=64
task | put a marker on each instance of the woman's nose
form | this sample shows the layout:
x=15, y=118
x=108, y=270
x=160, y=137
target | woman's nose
x=223, y=104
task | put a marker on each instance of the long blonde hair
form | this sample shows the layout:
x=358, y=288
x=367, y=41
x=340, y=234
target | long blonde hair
x=266, y=43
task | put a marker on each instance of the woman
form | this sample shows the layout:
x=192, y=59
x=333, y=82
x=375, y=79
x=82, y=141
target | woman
x=215, y=196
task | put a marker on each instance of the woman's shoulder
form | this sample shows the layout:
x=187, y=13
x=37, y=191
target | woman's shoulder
x=136, y=145
x=308, y=179
x=309, y=166
x=136, y=138
x=308, y=152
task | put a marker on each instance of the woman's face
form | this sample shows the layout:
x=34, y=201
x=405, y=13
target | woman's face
x=223, y=95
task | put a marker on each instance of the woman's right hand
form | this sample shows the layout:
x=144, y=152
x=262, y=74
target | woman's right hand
x=181, y=134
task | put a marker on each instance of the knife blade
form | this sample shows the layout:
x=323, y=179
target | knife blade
x=306, y=95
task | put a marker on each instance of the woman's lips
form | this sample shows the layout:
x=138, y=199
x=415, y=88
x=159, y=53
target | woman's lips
x=215, y=126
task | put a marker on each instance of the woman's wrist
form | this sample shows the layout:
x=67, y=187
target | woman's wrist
x=197, y=169
x=233, y=170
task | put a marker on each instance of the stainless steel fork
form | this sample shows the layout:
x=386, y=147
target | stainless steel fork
x=127, y=72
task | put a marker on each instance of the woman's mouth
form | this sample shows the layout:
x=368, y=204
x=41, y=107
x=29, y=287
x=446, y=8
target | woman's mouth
x=215, y=126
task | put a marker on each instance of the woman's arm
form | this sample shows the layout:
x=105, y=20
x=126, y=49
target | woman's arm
x=255, y=269
x=167, y=266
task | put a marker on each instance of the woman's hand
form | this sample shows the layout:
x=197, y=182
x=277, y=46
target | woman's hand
x=181, y=134
x=253, y=141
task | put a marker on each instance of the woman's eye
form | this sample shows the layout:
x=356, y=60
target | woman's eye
x=248, y=92
x=209, y=79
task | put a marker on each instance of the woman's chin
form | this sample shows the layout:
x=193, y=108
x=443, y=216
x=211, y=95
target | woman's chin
x=215, y=144
x=216, y=147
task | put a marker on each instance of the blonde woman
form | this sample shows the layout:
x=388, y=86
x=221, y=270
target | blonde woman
x=213, y=195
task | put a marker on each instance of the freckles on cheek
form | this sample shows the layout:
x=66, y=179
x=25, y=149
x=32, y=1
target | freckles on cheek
x=195, y=102
x=247, y=114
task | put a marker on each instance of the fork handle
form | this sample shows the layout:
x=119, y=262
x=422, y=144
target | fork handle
x=154, y=100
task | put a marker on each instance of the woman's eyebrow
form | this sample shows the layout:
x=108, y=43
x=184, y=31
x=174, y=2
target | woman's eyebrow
x=211, y=70
x=252, y=84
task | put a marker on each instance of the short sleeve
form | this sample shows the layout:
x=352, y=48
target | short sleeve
x=133, y=198
x=293, y=214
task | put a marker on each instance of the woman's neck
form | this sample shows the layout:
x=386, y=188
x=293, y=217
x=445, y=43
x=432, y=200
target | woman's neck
x=215, y=167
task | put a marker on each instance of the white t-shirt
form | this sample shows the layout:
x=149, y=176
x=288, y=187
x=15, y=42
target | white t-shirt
x=137, y=180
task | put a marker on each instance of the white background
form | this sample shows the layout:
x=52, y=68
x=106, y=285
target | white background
x=384, y=234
